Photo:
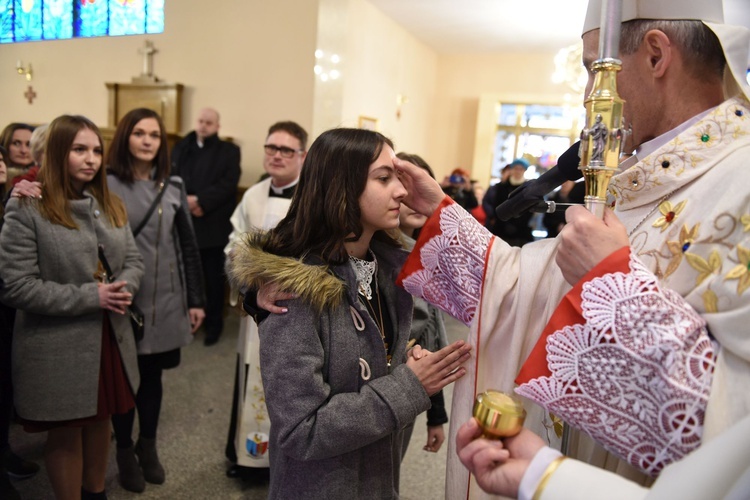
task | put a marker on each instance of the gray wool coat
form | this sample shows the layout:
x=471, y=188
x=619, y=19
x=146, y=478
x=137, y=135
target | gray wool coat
x=334, y=434
x=173, y=281
x=47, y=273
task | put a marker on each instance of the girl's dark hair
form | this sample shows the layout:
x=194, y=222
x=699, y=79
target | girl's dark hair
x=325, y=207
x=120, y=161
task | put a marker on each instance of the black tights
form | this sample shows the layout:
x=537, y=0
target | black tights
x=148, y=403
x=7, y=316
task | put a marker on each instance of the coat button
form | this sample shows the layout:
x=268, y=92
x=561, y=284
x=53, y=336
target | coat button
x=96, y=213
x=119, y=339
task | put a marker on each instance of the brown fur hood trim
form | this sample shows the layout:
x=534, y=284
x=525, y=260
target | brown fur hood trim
x=251, y=267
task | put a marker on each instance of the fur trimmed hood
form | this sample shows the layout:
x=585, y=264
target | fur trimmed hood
x=250, y=267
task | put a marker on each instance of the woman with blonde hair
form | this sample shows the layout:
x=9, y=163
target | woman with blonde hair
x=74, y=362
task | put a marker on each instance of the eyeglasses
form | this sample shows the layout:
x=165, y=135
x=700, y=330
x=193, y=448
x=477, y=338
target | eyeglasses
x=271, y=150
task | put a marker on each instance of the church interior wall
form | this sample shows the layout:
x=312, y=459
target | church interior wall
x=462, y=81
x=253, y=60
x=386, y=62
x=250, y=59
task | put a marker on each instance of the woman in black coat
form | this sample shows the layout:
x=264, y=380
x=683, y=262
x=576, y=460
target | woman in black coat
x=10, y=463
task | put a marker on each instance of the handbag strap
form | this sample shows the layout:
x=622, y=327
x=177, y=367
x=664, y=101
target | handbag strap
x=151, y=209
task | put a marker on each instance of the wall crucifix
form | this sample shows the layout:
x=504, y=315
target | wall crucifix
x=30, y=94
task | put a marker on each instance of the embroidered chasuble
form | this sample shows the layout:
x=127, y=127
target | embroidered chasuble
x=685, y=276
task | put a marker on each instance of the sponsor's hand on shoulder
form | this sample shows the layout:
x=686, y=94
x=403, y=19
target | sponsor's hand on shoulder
x=269, y=294
x=27, y=189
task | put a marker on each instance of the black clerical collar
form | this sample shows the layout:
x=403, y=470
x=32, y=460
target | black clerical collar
x=286, y=192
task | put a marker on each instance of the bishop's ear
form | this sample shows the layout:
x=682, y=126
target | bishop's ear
x=659, y=49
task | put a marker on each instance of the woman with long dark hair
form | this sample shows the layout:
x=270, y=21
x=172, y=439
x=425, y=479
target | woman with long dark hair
x=171, y=296
x=338, y=382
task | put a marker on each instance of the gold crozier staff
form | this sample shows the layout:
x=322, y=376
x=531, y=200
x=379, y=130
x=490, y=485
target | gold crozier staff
x=601, y=140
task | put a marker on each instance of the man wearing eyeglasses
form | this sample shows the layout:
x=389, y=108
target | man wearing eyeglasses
x=210, y=169
x=262, y=207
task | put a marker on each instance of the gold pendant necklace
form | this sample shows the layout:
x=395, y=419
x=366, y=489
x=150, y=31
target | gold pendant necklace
x=380, y=324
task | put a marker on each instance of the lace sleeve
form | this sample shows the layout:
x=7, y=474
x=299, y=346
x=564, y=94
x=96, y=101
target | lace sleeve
x=636, y=374
x=446, y=266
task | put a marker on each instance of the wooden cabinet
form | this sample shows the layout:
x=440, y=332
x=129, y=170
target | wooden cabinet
x=164, y=98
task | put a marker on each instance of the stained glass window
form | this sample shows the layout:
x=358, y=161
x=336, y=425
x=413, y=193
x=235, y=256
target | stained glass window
x=26, y=20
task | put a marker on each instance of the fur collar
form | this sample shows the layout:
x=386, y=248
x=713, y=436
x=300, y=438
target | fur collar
x=250, y=267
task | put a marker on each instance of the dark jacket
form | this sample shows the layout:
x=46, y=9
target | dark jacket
x=212, y=174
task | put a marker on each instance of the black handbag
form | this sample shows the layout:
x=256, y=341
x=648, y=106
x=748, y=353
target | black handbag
x=137, y=321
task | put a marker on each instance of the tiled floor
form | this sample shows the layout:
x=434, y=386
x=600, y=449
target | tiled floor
x=192, y=434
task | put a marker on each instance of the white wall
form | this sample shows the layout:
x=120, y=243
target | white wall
x=251, y=59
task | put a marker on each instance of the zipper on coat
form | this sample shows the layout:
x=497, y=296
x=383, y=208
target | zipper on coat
x=160, y=211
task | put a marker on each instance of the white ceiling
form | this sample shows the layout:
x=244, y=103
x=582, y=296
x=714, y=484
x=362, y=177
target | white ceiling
x=468, y=26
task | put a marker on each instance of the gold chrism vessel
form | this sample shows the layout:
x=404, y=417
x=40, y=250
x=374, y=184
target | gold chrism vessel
x=499, y=415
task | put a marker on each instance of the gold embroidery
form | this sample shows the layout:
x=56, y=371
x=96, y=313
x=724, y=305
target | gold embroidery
x=710, y=301
x=557, y=425
x=709, y=253
x=741, y=271
x=551, y=468
x=678, y=248
x=704, y=267
x=668, y=213
x=705, y=136
x=745, y=220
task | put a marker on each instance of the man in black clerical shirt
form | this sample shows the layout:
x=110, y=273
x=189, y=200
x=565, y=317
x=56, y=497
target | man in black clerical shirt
x=210, y=168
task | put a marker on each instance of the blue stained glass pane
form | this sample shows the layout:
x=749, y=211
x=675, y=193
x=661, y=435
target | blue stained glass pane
x=92, y=19
x=127, y=17
x=6, y=21
x=57, y=19
x=24, y=20
x=28, y=20
x=155, y=16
